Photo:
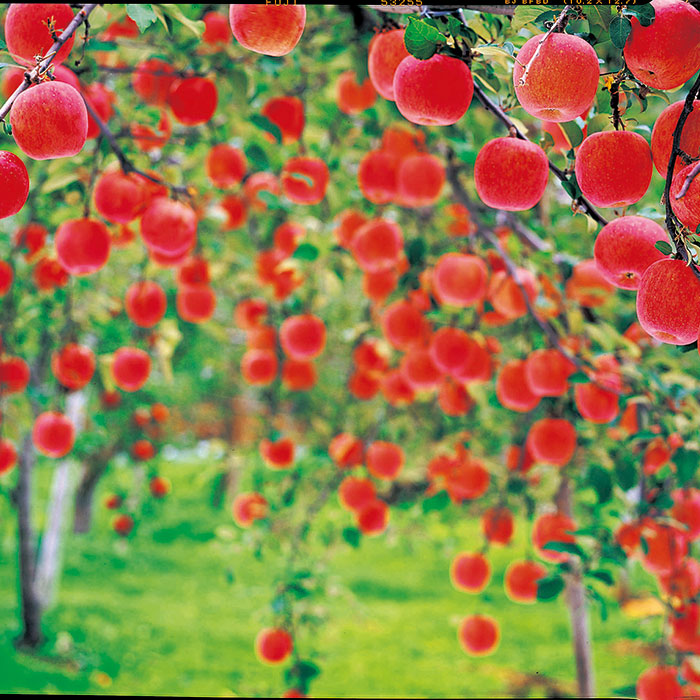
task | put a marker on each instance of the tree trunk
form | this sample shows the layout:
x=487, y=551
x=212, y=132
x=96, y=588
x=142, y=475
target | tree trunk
x=49, y=557
x=84, y=495
x=31, y=607
x=578, y=612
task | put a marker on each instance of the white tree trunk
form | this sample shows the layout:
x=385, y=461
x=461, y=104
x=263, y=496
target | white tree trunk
x=62, y=486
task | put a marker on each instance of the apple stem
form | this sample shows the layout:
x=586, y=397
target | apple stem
x=558, y=25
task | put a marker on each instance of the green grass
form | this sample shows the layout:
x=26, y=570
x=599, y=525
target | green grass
x=159, y=614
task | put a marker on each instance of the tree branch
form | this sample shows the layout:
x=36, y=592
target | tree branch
x=408, y=9
x=673, y=232
x=40, y=70
x=558, y=25
x=126, y=165
x=582, y=203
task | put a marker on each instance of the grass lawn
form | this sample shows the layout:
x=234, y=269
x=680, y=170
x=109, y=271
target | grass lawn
x=175, y=610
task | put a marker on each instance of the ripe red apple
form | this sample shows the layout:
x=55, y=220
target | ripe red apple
x=259, y=367
x=624, y=249
x=613, y=168
x=195, y=303
x=356, y=492
x=552, y=441
x=662, y=136
x=278, y=454
x=159, y=486
x=549, y=93
x=512, y=388
x=547, y=372
x=225, y=165
x=470, y=572
x=273, y=30
x=7, y=275
x=73, y=366
x=479, y=635
x=687, y=208
x=386, y=51
x=130, y=368
x=433, y=92
x=14, y=375
x=53, y=434
x=248, y=507
x=145, y=303
x=346, y=450
x=460, y=280
x=521, y=580
x=377, y=245
x=123, y=524
x=193, y=100
x=552, y=527
x=505, y=294
x=287, y=113
x=217, y=29
x=15, y=187
x=82, y=246
x=384, y=459
x=659, y=682
x=119, y=197
x=152, y=80
x=377, y=176
x=668, y=302
x=420, y=180
x=667, y=52
x=169, y=227
x=27, y=30
x=527, y=167
x=373, y=518
x=497, y=525
x=272, y=645
x=63, y=127
x=295, y=177
x=354, y=97
x=303, y=337
x=298, y=375
x=404, y=326
x=8, y=456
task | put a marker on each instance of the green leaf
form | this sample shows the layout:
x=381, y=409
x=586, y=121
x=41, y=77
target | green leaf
x=599, y=16
x=625, y=474
x=549, y=588
x=238, y=79
x=602, y=575
x=688, y=348
x=572, y=132
x=565, y=547
x=196, y=27
x=524, y=15
x=686, y=465
x=352, y=536
x=301, y=674
x=143, y=15
x=265, y=124
x=422, y=40
x=601, y=481
x=437, y=502
x=620, y=28
x=598, y=123
x=644, y=13
x=257, y=157
x=415, y=251
x=579, y=378
x=664, y=247
x=306, y=251
x=628, y=691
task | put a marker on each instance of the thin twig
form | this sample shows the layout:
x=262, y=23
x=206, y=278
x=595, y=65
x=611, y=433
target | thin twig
x=126, y=165
x=557, y=26
x=581, y=202
x=38, y=71
x=675, y=235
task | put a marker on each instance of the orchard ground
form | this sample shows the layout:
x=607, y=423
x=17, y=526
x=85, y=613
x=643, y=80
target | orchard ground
x=169, y=611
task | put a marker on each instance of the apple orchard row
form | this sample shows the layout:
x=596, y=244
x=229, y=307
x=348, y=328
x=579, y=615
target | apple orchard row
x=613, y=169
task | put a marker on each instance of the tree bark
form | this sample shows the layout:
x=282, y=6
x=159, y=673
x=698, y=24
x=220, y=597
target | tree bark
x=31, y=607
x=578, y=612
x=49, y=557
